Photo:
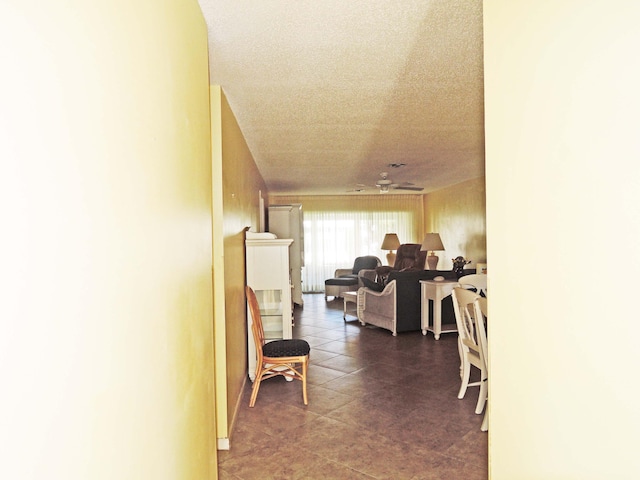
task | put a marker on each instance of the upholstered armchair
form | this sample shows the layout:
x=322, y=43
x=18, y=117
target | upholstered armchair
x=346, y=279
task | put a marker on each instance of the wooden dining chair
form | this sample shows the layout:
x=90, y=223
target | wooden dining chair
x=475, y=281
x=463, y=306
x=480, y=317
x=288, y=357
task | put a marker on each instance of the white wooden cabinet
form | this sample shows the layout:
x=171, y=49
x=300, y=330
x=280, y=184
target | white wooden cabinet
x=267, y=263
x=286, y=221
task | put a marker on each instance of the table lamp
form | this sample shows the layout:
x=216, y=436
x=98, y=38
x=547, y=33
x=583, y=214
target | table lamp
x=390, y=243
x=430, y=243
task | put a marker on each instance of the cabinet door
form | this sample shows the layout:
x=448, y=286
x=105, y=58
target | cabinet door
x=286, y=221
x=272, y=312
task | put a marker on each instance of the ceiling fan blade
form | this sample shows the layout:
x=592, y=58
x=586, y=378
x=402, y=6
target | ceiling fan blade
x=407, y=187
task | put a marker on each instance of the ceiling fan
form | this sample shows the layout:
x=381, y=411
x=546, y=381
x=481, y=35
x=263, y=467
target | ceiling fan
x=384, y=184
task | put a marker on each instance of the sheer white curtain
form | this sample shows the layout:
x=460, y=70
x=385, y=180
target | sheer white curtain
x=333, y=239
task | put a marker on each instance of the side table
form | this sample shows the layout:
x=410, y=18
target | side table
x=436, y=291
x=349, y=297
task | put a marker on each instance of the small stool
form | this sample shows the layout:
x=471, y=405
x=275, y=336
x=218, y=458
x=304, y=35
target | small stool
x=337, y=286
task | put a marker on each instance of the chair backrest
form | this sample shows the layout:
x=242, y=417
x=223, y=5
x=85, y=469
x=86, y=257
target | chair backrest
x=463, y=304
x=475, y=280
x=410, y=256
x=368, y=262
x=256, y=319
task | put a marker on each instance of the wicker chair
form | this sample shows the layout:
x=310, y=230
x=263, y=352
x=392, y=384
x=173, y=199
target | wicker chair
x=288, y=357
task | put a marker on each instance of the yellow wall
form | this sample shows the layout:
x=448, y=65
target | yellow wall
x=563, y=211
x=105, y=204
x=241, y=184
x=458, y=214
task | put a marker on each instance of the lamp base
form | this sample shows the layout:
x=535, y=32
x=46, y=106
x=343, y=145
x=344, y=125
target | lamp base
x=432, y=261
x=391, y=259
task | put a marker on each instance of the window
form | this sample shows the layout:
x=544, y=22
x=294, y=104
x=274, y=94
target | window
x=334, y=239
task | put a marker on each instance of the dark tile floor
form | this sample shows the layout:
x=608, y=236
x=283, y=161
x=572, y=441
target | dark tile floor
x=380, y=407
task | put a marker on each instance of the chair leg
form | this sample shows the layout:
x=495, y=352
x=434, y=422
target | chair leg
x=466, y=372
x=461, y=355
x=304, y=383
x=482, y=396
x=254, y=390
x=485, y=422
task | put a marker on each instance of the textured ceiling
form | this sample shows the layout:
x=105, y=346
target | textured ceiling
x=328, y=93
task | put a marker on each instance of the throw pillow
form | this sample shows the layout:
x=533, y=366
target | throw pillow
x=375, y=286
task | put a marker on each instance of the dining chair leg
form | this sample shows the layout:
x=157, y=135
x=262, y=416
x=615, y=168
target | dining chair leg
x=466, y=372
x=254, y=390
x=304, y=382
x=485, y=421
x=482, y=396
x=461, y=355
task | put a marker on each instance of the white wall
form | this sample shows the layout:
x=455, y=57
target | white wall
x=563, y=231
x=106, y=357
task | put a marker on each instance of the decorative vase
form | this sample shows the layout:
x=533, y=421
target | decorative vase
x=458, y=265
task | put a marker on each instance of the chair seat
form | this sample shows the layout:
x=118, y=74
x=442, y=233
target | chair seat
x=286, y=348
x=342, y=281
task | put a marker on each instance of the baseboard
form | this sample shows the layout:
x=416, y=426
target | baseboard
x=225, y=443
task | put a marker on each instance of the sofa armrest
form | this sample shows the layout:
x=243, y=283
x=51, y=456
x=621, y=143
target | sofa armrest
x=382, y=303
x=390, y=289
x=378, y=308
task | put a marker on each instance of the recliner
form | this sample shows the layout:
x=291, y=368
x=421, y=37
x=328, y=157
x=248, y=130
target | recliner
x=409, y=257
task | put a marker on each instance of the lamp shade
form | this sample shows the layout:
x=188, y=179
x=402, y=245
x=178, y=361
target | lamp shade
x=390, y=242
x=432, y=242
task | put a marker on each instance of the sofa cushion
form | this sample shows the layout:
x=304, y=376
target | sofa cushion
x=350, y=275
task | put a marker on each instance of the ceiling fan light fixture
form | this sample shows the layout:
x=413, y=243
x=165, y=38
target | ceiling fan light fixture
x=384, y=184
